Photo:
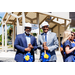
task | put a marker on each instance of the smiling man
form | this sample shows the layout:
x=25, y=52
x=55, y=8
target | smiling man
x=25, y=43
x=51, y=41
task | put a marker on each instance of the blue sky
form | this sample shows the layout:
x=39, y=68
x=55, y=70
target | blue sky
x=1, y=14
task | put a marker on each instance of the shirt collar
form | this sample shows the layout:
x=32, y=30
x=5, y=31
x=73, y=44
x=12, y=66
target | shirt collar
x=26, y=35
x=47, y=33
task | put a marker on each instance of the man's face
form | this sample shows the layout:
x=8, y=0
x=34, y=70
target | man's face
x=72, y=36
x=45, y=29
x=27, y=29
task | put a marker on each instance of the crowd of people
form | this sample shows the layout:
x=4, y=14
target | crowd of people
x=47, y=44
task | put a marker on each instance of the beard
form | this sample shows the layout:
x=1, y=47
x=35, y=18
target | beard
x=27, y=32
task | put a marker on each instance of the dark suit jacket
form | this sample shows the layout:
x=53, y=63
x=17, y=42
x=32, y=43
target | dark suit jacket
x=20, y=44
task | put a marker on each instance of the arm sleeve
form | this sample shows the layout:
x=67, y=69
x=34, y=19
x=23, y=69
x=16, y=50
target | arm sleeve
x=17, y=44
x=67, y=43
x=39, y=44
x=55, y=45
x=35, y=44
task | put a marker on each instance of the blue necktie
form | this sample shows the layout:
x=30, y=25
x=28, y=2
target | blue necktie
x=45, y=37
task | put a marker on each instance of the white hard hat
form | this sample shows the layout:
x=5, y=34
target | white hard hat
x=28, y=25
x=44, y=24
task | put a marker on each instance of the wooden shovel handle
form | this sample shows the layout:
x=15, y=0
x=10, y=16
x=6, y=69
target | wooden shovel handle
x=28, y=46
x=45, y=51
x=44, y=45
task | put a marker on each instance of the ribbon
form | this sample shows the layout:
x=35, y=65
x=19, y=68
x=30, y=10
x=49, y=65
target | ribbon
x=45, y=59
x=28, y=57
x=45, y=56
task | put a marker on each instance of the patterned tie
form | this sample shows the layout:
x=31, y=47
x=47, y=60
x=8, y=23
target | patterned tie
x=45, y=37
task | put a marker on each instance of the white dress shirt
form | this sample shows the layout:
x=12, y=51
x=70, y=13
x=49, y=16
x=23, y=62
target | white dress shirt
x=28, y=39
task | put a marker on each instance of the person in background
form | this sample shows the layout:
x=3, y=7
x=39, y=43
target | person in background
x=72, y=37
x=67, y=47
x=61, y=48
x=73, y=44
x=25, y=43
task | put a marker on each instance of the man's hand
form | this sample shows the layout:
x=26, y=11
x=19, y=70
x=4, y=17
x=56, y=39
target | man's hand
x=28, y=49
x=45, y=48
x=44, y=44
x=30, y=45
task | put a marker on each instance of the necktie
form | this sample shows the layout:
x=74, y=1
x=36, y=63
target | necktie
x=45, y=37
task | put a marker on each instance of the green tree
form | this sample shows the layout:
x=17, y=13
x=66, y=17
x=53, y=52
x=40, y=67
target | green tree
x=41, y=30
x=1, y=34
x=34, y=34
x=0, y=20
x=73, y=30
x=9, y=31
x=1, y=39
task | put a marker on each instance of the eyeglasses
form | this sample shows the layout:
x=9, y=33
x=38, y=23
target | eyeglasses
x=27, y=28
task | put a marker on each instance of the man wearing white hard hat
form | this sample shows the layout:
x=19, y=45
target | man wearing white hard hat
x=25, y=43
x=47, y=52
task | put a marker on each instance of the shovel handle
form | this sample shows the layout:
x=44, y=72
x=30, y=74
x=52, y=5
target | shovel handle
x=44, y=45
x=45, y=51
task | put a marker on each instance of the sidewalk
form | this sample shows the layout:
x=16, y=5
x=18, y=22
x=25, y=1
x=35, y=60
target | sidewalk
x=59, y=56
x=7, y=56
x=10, y=54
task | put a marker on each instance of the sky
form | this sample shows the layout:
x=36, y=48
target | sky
x=1, y=14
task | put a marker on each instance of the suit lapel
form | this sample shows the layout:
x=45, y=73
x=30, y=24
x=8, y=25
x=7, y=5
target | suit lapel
x=48, y=40
x=31, y=39
x=25, y=41
x=49, y=35
x=43, y=39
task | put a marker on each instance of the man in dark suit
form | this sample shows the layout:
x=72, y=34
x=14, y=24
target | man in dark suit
x=25, y=43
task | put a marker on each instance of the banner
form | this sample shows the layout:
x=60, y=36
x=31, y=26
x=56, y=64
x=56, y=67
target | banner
x=35, y=28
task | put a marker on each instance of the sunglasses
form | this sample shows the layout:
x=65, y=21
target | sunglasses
x=72, y=35
x=27, y=28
